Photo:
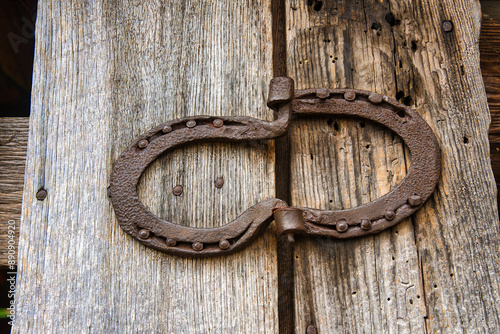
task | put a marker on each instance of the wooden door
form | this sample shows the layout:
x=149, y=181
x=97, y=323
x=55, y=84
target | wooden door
x=106, y=72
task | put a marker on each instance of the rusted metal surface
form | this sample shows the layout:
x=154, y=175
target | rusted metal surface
x=367, y=219
x=172, y=238
x=41, y=194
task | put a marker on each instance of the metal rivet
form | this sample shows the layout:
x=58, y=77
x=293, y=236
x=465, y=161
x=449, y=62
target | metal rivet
x=350, y=95
x=311, y=330
x=389, y=215
x=143, y=234
x=41, y=194
x=342, y=225
x=143, y=143
x=191, y=123
x=415, y=200
x=375, y=98
x=224, y=244
x=447, y=26
x=219, y=182
x=218, y=123
x=366, y=224
x=197, y=246
x=177, y=190
x=167, y=129
x=322, y=93
x=171, y=242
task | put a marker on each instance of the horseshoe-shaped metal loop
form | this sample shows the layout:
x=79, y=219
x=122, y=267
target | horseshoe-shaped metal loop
x=371, y=218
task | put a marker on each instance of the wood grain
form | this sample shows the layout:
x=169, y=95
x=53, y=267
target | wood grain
x=437, y=272
x=13, y=141
x=104, y=74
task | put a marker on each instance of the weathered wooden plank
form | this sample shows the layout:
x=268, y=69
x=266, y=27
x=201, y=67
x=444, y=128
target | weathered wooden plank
x=437, y=272
x=105, y=73
x=13, y=141
x=362, y=285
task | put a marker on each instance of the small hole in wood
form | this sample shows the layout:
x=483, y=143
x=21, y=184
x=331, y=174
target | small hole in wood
x=411, y=301
x=399, y=95
x=317, y=7
x=401, y=113
x=367, y=147
x=414, y=45
x=418, y=296
x=331, y=201
x=389, y=18
x=329, y=121
x=376, y=26
x=312, y=157
x=388, y=299
x=407, y=101
x=466, y=140
x=435, y=286
x=354, y=293
x=362, y=124
x=336, y=126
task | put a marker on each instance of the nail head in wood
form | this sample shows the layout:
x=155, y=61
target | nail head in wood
x=219, y=182
x=41, y=194
x=178, y=190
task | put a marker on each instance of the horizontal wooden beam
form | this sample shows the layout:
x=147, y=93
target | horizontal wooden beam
x=13, y=142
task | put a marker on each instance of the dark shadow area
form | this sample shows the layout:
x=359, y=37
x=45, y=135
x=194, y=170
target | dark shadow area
x=17, y=43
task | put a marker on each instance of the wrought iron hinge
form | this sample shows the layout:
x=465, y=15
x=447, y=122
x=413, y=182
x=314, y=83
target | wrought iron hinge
x=367, y=219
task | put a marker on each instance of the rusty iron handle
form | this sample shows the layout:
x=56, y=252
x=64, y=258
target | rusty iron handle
x=371, y=218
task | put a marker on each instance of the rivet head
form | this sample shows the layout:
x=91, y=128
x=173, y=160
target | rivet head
x=171, y=242
x=191, y=123
x=218, y=123
x=447, y=26
x=178, y=190
x=375, y=98
x=342, y=225
x=415, y=200
x=143, y=143
x=311, y=330
x=390, y=215
x=166, y=129
x=41, y=194
x=322, y=93
x=366, y=224
x=224, y=244
x=350, y=95
x=219, y=182
x=143, y=234
x=197, y=246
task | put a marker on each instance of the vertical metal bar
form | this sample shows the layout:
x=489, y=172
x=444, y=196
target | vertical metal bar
x=285, y=243
x=286, y=296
